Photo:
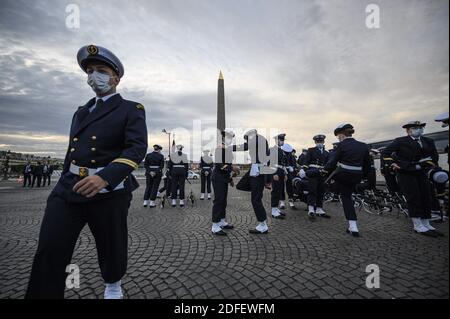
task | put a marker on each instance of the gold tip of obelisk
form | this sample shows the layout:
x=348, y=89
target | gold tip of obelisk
x=220, y=75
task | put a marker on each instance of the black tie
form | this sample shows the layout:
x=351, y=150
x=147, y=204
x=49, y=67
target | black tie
x=98, y=105
x=418, y=142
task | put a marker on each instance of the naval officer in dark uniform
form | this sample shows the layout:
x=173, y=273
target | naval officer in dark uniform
x=279, y=159
x=108, y=140
x=178, y=166
x=221, y=177
x=206, y=166
x=316, y=158
x=154, y=164
x=412, y=156
x=27, y=170
x=350, y=163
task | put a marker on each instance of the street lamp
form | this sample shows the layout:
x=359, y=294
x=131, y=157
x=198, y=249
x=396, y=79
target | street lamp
x=168, y=133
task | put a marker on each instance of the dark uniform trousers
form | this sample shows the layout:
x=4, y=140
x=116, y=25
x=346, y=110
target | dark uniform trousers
x=205, y=181
x=289, y=188
x=152, y=185
x=220, y=200
x=37, y=179
x=61, y=226
x=47, y=179
x=416, y=188
x=277, y=192
x=178, y=183
x=345, y=186
x=257, y=184
x=26, y=179
x=167, y=187
x=316, y=191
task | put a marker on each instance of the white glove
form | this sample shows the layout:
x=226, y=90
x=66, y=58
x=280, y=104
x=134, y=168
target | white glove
x=290, y=169
x=302, y=173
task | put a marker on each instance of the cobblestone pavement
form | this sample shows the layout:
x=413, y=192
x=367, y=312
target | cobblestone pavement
x=172, y=253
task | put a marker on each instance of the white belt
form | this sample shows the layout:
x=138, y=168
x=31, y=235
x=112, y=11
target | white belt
x=85, y=171
x=315, y=166
x=153, y=166
x=206, y=167
x=350, y=167
x=426, y=159
x=178, y=166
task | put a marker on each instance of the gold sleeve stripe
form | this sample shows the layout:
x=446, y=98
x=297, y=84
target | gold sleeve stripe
x=388, y=158
x=127, y=162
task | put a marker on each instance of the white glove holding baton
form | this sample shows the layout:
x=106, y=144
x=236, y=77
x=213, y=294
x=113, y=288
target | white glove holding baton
x=302, y=173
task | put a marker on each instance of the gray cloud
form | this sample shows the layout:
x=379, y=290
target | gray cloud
x=301, y=66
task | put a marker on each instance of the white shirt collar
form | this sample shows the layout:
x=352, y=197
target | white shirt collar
x=105, y=98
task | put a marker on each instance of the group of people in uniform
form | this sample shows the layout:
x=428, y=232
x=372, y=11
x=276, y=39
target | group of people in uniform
x=39, y=174
x=108, y=140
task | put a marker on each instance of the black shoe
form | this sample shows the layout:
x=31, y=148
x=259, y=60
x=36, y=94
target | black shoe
x=282, y=213
x=353, y=233
x=324, y=216
x=428, y=233
x=278, y=217
x=438, y=233
x=220, y=233
x=227, y=226
x=257, y=232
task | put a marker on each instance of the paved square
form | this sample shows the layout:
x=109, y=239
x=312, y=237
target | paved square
x=172, y=253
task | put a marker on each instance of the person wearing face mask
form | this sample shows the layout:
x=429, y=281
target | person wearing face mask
x=154, y=164
x=302, y=157
x=411, y=156
x=349, y=163
x=178, y=166
x=221, y=177
x=206, y=166
x=278, y=160
x=291, y=169
x=316, y=158
x=108, y=140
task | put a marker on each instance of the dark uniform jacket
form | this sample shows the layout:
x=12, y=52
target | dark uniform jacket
x=301, y=159
x=38, y=170
x=206, y=163
x=28, y=169
x=223, y=164
x=154, y=162
x=113, y=136
x=179, y=163
x=352, y=153
x=280, y=162
x=315, y=157
x=408, y=153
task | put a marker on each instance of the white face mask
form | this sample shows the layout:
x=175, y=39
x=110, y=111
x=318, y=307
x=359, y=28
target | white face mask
x=319, y=145
x=99, y=82
x=416, y=132
x=228, y=140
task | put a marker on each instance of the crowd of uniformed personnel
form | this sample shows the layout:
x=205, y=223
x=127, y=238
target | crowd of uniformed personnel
x=108, y=141
x=38, y=175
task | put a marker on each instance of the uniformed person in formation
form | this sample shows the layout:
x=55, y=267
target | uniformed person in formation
x=316, y=158
x=258, y=176
x=412, y=155
x=178, y=166
x=279, y=162
x=27, y=170
x=37, y=172
x=221, y=178
x=291, y=167
x=154, y=164
x=349, y=163
x=206, y=166
x=108, y=140
x=302, y=157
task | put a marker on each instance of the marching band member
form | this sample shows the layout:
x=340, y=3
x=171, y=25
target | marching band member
x=349, y=164
x=154, y=164
x=291, y=168
x=221, y=177
x=279, y=177
x=316, y=158
x=206, y=166
x=178, y=166
x=411, y=155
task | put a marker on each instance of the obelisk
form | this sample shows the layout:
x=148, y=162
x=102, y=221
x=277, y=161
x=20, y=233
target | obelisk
x=220, y=106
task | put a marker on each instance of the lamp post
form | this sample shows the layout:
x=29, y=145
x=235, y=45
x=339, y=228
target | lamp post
x=168, y=133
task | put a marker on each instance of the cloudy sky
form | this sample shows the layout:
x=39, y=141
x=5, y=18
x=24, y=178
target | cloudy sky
x=301, y=67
